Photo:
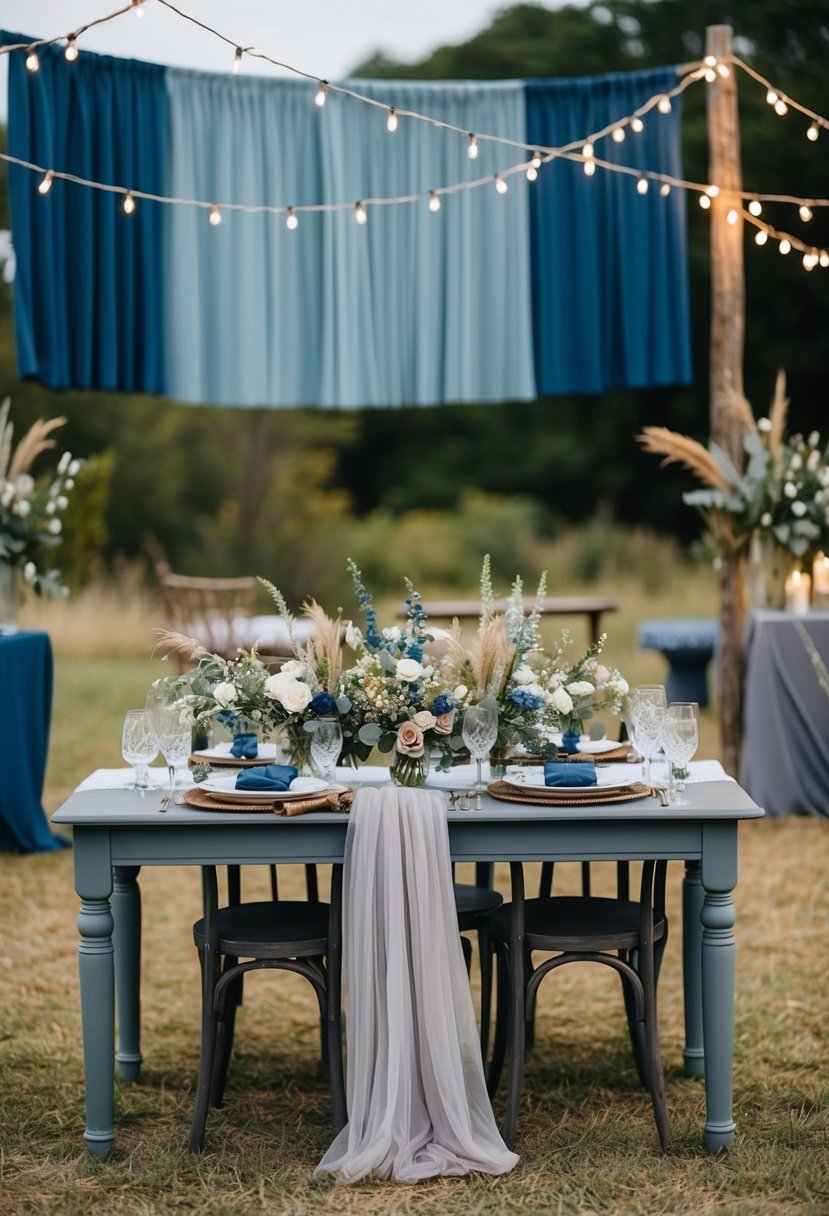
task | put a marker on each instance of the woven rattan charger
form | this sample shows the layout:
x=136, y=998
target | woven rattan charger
x=587, y=796
x=336, y=799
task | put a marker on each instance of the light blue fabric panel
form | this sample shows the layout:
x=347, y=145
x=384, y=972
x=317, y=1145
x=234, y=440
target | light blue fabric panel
x=412, y=308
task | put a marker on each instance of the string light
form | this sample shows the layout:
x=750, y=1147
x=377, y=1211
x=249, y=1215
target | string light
x=637, y=125
x=805, y=213
x=755, y=207
x=618, y=135
x=291, y=220
x=812, y=132
x=712, y=191
x=46, y=183
x=810, y=260
x=732, y=216
x=391, y=121
x=771, y=97
x=785, y=246
x=589, y=168
x=129, y=204
x=642, y=185
x=71, y=52
x=360, y=213
x=137, y=9
x=705, y=201
x=500, y=185
x=724, y=70
x=215, y=216
x=664, y=104
x=535, y=161
x=434, y=201
x=532, y=173
x=665, y=189
x=760, y=237
x=472, y=146
x=709, y=75
x=32, y=61
x=587, y=151
x=321, y=93
x=824, y=259
x=780, y=107
x=237, y=61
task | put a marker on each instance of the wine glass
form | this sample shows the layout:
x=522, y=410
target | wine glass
x=326, y=745
x=680, y=740
x=139, y=746
x=480, y=730
x=173, y=725
x=647, y=710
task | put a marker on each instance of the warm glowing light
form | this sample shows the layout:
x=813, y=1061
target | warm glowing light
x=321, y=93
x=535, y=160
x=812, y=132
x=618, y=135
x=71, y=52
x=665, y=189
x=642, y=185
x=532, y=173
x=32, y=61
x=500, y=185
x=664, y=105
x=755, y=207
x=704, y=201
x=215, y=216
x=771, y=97
x=589, y=167
x=129, y=204
x=785, y=246
x=291, y=220
x=587, y=151
x=136, y=4
x=637, y=125
x=761, y=237
x=710, y=75
x=780, y=107
x=809, y=261
x=712, y=191
x=472, y=146
x=434, y=201
x=45, y=184
x=805, y=213
x=237, y=61
x=391, y=121
x=723, y=70
x=360, y=214
x=824, y=259
x=710, y=61
x=732, y=216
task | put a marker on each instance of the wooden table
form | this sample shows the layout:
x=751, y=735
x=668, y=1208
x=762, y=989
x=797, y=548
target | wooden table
x=116, y=832
x=592, y=607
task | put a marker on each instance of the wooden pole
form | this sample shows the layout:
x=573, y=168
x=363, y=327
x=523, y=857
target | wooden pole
x=726, y=365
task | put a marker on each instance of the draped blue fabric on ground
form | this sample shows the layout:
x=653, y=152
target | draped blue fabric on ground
x=411, y=308
x=610, y=266
x=88, y=289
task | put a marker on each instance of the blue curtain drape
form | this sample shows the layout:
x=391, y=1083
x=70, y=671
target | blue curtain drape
x=89, y=305
x=412, y=308
x=610, y=266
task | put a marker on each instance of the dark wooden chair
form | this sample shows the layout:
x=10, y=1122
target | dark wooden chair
x=475, y=906
x=301, y=936
x=627, y=935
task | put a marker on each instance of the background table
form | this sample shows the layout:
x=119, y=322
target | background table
x=785, y=760
x=118, y=831
x=592, y=607
x=25, y=710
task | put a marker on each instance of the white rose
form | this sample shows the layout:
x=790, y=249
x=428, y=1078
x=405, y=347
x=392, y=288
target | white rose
x=295, y=696
x=523, y=675
x=274, y=683
x=580, y=688
x=353, y=636
x=460, y=692
x=22, y=508
x=225, y=695
x=424, y=719
x=292, y=668
x=790, y=489
x=562, y=701
x=764, y=424
x=408, y=670
x=799, y=509
x=55, y=526
x=535, y=690
x=602, y=674
x=29, y=572
x=621, y=685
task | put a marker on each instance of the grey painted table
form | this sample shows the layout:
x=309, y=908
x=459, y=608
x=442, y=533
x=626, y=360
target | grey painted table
x=116, y=832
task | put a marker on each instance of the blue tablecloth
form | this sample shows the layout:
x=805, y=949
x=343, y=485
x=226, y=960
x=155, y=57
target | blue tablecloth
x=25, y=710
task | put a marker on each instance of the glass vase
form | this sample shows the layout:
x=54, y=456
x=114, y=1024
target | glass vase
x=498, y=758
x=570, y=738
x=9, y=598
x=293, y=746
x=766, y=566
x=410, y=770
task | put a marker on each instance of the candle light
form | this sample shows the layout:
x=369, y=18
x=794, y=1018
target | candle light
x=798, y=586
x=820, y=580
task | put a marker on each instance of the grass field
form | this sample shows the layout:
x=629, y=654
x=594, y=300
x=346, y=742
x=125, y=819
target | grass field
x=586, y=1135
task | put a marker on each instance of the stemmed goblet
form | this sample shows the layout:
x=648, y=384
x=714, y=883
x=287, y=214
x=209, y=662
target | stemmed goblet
x=480, y=730
x=173, y=725
x=680, y=740
x=326, y=745
x=139, y=746
x=647, y=710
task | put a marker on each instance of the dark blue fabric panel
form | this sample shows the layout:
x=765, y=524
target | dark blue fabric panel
x=89, y=298
x=25, y=710
x=610, y=266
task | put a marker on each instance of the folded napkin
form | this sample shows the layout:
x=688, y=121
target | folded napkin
x=562, y=772
x=276, y=777
x=329, y=800
x=245, y=745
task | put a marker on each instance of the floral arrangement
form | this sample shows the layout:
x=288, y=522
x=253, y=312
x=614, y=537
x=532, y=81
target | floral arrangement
x=576, y=692
x=783, y=495
x=30, y=509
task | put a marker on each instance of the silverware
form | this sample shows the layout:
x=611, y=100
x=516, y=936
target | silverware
x=165, y=802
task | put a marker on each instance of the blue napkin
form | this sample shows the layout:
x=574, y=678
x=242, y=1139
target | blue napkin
x=245, y=745
x=562, y=772
x=276, y=777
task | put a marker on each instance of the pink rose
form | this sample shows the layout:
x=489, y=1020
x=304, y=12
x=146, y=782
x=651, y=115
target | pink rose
x=443, y=724
x=410, y=739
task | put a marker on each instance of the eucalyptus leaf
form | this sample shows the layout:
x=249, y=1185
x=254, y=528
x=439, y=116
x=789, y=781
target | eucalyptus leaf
x=343, y=705
x=386, y=661
x=597, y=731
x=488, y=703
x=370, y=734
x=386, y=742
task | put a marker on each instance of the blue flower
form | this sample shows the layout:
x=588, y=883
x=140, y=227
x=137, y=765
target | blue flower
x=227, y=718
x=525, y=700
x=444, y=704
x=323, y=703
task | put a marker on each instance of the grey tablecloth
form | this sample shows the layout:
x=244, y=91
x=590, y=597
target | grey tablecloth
x=785, y=762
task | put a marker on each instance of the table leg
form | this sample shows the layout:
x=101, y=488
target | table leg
x=93, y=882
x=126, y=911
x=692, y=969
x=719, y=951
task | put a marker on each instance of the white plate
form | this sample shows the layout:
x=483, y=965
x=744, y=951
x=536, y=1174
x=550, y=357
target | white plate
x=595, y=747
x=531, y=782
x=266, y=752
x=225, y=788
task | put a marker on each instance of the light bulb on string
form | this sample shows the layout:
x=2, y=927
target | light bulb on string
x=532, y=173
x=589, y=168
x=664, y=104
x=642, y=185
x=665, y=189
x=137, y=9
x=755, y=207
x=32, y=62
x=733, y=216
x=710, y=61
x=472, y=146
x=780, y=107
x=809, y=261
x=215, y=216
x=434, y=201
x=71, y=52
x=710, y=75
x=535, y=160
x=321, y=93
x=291, y=220
x=705, y=201
x=805, y=213
x=785, y=246
x=712, y=191
x=761, y=236
x=587, y=151
x=129, y=204
x=618, y=135
x=824, y=259
x=360, y=213
x=771, y=97
x=724, y=70
x=391, y=121
x=237, y=61
x=500, y=185
x=812, y=132
x=637, y=125
x=45, y=184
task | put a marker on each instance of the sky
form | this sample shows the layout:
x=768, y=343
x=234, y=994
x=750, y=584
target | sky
x=326, y=38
